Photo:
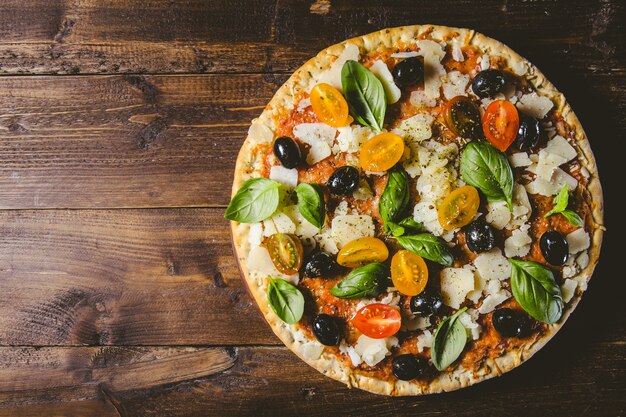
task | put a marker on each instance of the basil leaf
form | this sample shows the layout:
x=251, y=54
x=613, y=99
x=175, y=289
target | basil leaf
x=536, y=291
x=256, y=200
x=394, y=198
x=365, y=95
x=394, y=229
x=572, y=217
x=411, y=225
x=487, y=169
x=429, y=247
x=560, y=202
x=367, y=281
x=311, y=203
x=285, y=300
x=449, y=341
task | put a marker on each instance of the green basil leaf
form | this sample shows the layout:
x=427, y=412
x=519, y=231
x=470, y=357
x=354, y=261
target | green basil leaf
x=429, y=247
x=572, y=217
x=560, y=201
x=394, y=229
x=411, y=225
x=487, y=169
x=256, y=200
x=311, y=203
x=395, y=197
x=285, y=300
x=449, y=341
x=536, y=291
x=365, y=95
x=367, y=281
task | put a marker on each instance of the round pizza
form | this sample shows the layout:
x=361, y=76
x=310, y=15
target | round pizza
x=416, y=210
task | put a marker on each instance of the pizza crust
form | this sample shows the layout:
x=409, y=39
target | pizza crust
x=304, y=79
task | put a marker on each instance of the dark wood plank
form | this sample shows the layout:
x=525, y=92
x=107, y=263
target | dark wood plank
x=123, y=277
x=92, y=36
x=585, y=379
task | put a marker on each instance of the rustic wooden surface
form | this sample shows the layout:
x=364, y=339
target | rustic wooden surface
x=119, y=126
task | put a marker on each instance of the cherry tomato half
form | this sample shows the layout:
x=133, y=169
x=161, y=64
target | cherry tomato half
x=501, y=123
x=459, y=208
x=377, y=320
x=409, y=272
x=462, y=117
x=362, y=251
x=381, y=152
x=329, y=105
x=286, y=252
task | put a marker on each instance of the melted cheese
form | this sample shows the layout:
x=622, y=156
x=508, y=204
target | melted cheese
x=332, y=76
x=380, y=70
x=456, y=283
x=349, y=227
x=319, y=137
x=285, y=176
x=492, y=265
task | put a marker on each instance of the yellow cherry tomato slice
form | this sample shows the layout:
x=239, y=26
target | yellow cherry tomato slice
x=362, y=251
x=329, y=105
x=409, y=272
x=458, y=208
x=381, y=152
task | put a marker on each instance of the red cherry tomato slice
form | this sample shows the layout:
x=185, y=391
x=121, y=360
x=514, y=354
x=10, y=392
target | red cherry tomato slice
x=377, y=320
x=501, y=123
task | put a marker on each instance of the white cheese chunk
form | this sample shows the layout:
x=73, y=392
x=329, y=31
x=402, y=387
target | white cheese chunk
x=412, y=323
x=433, y=53
x=304, y=229
x=520, y=159
x=371, y=351
x=484, y=61
x=380, y=70
x=578, y=241
x=327, y=242
x=493, y=300
x=480, y=285
x=285, y=176
x=350, y=227
x=583, y=260
x=455, y=284
x=416, y=128
x=559, y=146
x=519, y=67
x=518, y=244
x=312, y=350
x=404, y=55
x=269, y=228
x=492, y=265
x=553, y=185
x=255, y=234
x=283, y=223
x=346, y=141
x=332, y=75
x=535, y=105
x=319, y=137
x=364, y=192
x=425, y=340
x=568, y=289
x=455, y=83
x=425, y=212
x=419, y=98
x=259, y=260
x=304, y=103
x=457, y=52
x=259, y=133
x=468, y=320
x=498, y=214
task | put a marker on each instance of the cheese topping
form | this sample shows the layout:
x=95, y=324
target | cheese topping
x=455, y=284
x=380, y=70
x=332, y=76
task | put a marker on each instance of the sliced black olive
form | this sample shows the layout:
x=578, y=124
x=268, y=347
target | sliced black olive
x=287, y=151
x=463, y=118
x=407, y=367
x=321, y=264
x=488, y=83
x=408, y=71
x=343, y=181
x=508, y=322
x=479, y=236
x=554, y=247
x=327, y=329
x=426, y=303
x=528, y=133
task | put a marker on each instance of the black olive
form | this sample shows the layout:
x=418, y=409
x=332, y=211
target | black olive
x=479, y=236
x=408, y=71
x=528, y=133
x=407, y=367
x=327, y=329
x=343, y=181
x=488, y=83
x=508, y=322
x=554, y=247
x=320, y=264
x=426, y=303
x=287, y=151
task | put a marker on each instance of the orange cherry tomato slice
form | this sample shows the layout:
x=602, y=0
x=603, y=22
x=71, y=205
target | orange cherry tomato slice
x=459, y=208
x=329, y=105
x=409, y=272
x=501, y=123
x=381, y=152
x=377, y=320
x=362, y=251
x=285, y=252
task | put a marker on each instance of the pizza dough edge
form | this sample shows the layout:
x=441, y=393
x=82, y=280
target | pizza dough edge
x=458, y=378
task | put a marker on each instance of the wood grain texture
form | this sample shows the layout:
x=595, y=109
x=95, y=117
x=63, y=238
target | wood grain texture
x=125, y=277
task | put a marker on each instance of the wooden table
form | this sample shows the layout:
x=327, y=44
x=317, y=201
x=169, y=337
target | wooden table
x=119, y=126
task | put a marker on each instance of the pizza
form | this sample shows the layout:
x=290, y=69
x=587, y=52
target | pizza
x=416, y=210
